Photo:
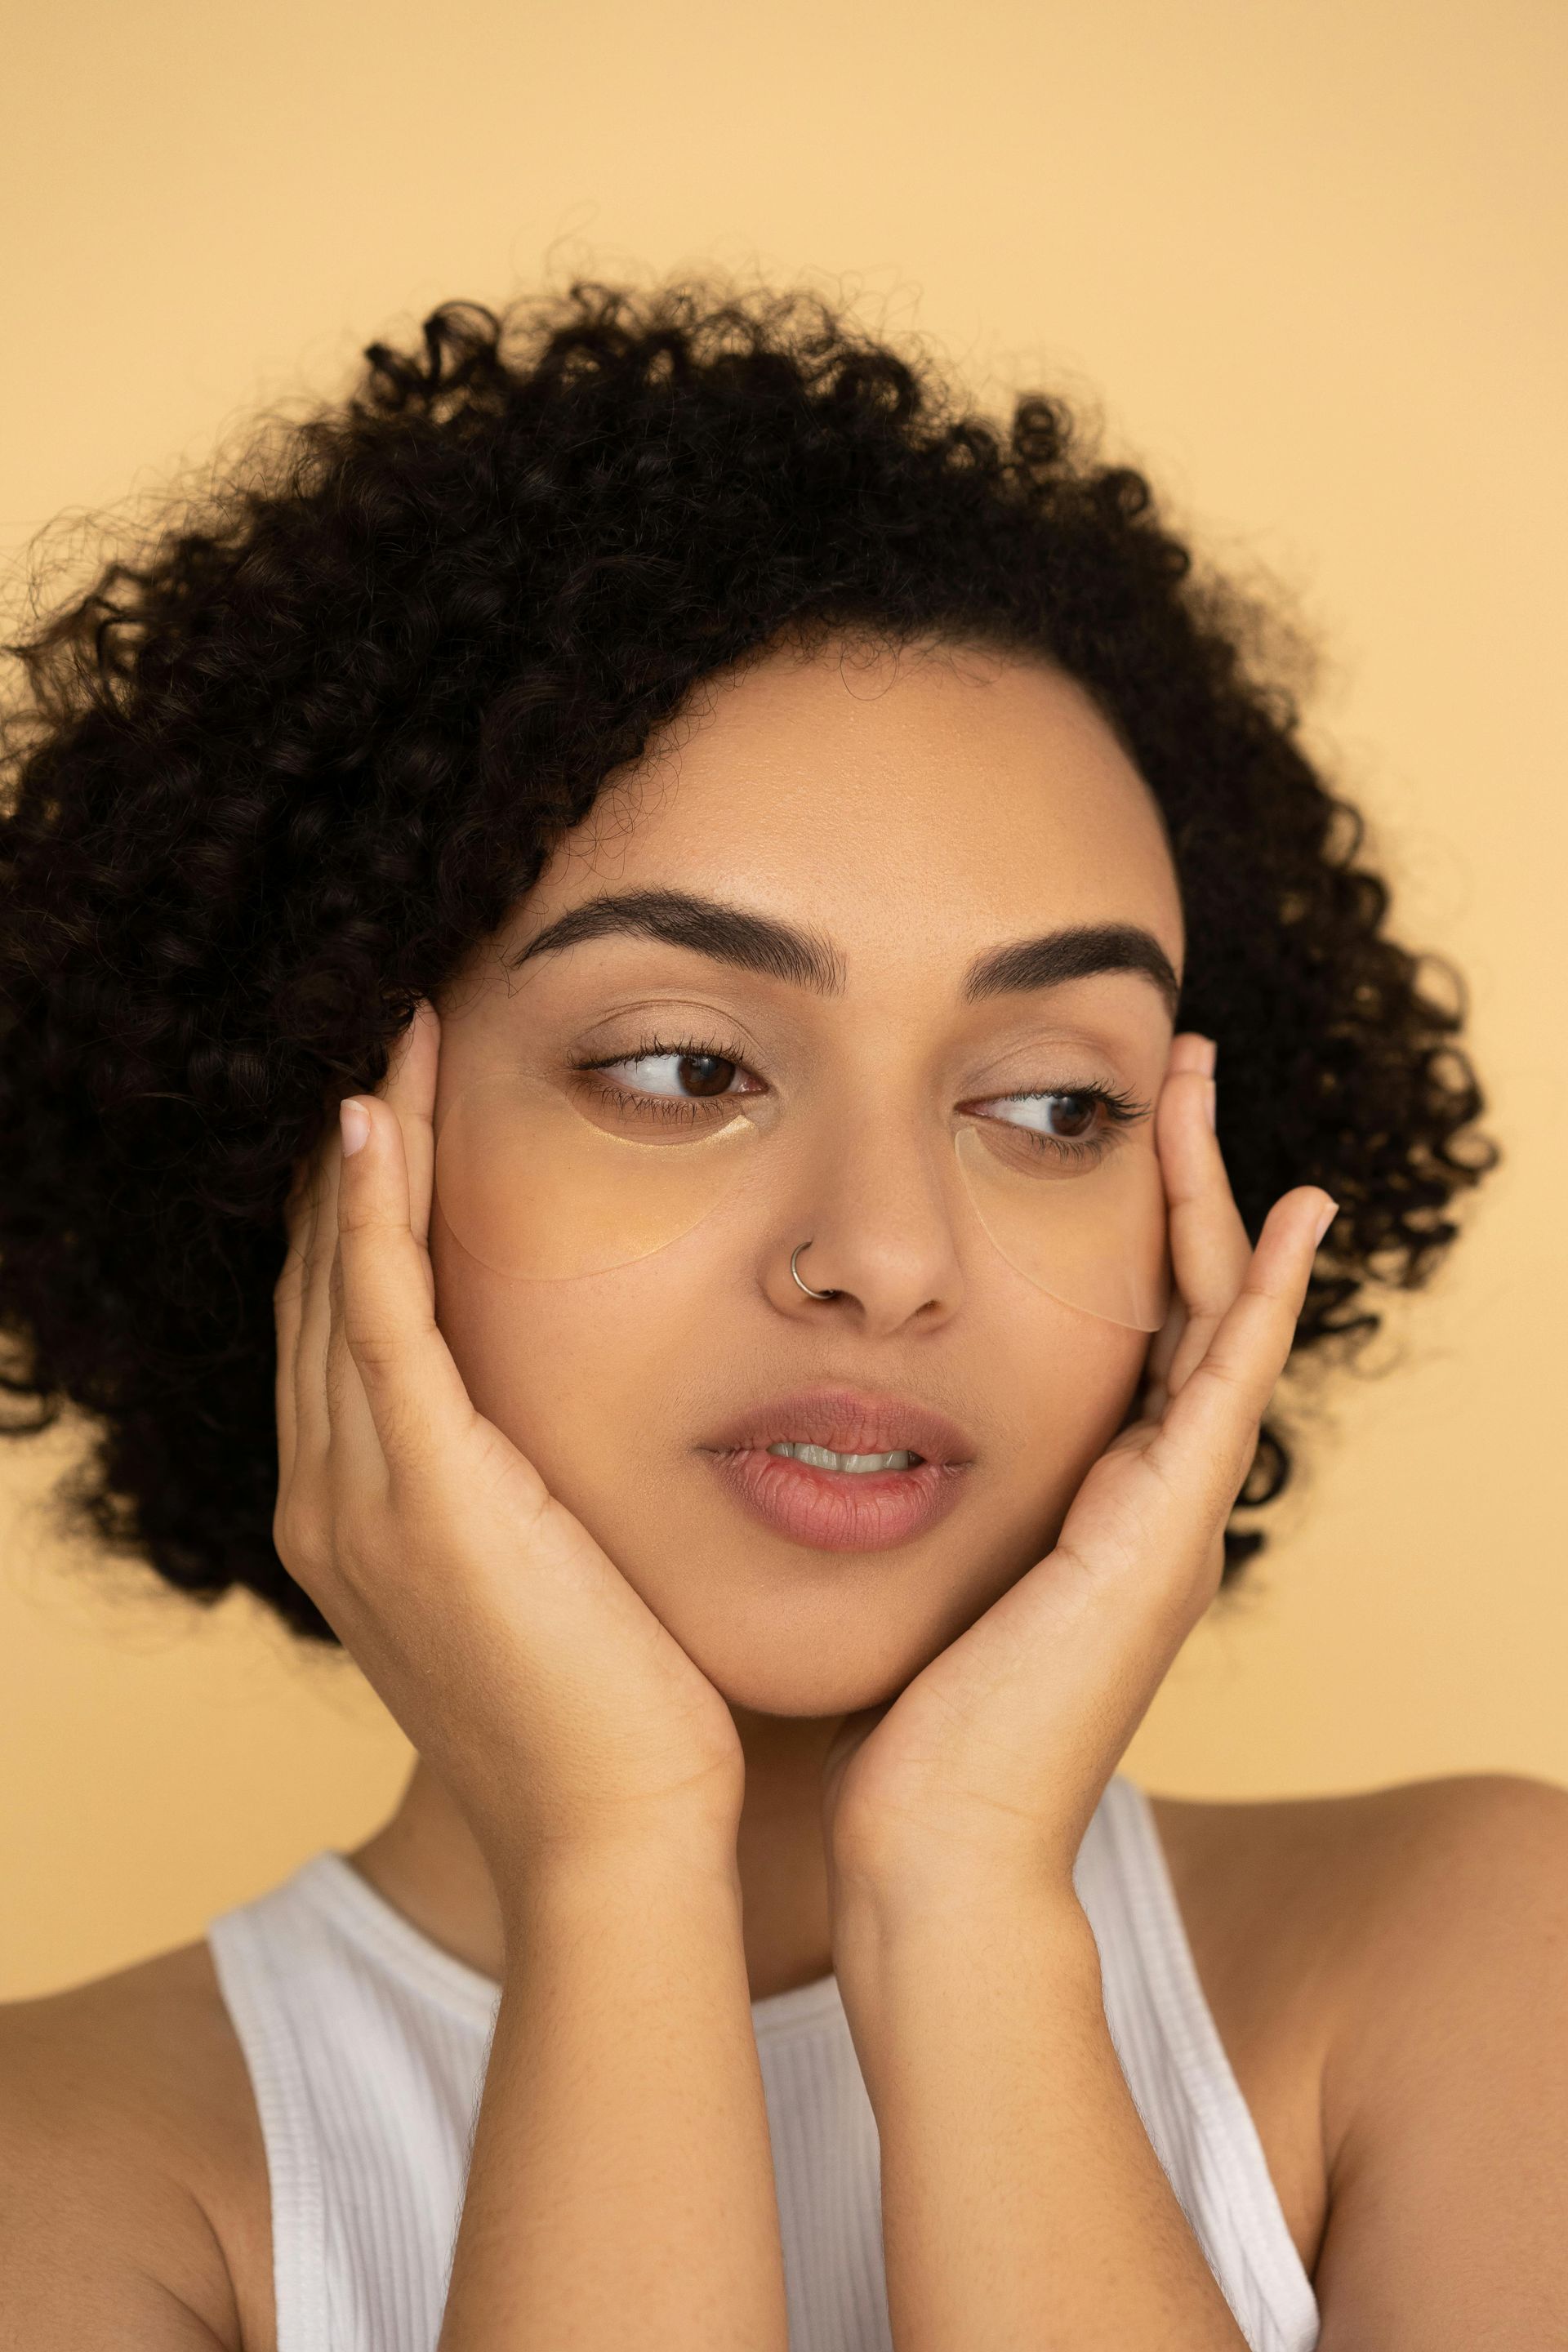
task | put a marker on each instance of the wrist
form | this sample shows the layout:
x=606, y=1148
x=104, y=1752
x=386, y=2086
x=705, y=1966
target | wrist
x=659, y=1876
x=916, y=1921
x=912, y=1958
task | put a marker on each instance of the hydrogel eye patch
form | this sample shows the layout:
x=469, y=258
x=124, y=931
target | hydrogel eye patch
x=1092, y=1236
x=537, y=1189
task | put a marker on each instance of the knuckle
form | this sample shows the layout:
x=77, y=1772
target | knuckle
x=333, y=1545
x=373, y=1348
x=297, y=1539
x=370, y=1550
x=1229, y=1375
x=407, y=1436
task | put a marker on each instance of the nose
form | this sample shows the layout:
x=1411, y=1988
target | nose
x=878, y=1206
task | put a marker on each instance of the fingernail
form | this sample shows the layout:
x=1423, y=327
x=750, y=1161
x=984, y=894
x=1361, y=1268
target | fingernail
x=1211, y=1103
x=1325, y=1221
x=353, y=1120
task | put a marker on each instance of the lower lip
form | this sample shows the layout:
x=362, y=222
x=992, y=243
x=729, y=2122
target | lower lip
x=841, y=1510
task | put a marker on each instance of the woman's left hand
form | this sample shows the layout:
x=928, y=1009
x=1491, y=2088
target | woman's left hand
x=997, y=1752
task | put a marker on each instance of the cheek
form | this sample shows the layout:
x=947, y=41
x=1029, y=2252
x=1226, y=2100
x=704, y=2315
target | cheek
x=1057, y=1385
x=570, y=1370
x=1070, y=1391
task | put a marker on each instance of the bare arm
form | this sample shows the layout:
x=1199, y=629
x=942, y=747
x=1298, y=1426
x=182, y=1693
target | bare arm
x=79, y=2274
x=118, y=2165
x=1023, y=2205
x=1445, y=2097
x=621, y=2187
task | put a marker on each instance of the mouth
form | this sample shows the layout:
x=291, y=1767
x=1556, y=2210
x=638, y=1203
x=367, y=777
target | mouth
x=843, y=1469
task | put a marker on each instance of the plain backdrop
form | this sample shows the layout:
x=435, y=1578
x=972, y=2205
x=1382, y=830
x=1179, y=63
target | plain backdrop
x=1306, y=263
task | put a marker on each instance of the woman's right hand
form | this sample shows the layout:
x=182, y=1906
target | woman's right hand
x=558, y=1710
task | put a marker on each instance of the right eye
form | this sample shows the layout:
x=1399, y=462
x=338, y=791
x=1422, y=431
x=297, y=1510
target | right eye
x=679, y=1073
x=670, y=1083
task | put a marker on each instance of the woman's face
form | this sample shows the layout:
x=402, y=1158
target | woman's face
x=798, y=1066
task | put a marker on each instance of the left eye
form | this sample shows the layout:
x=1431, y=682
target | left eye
x=1040, y=1112
x=681, y=1076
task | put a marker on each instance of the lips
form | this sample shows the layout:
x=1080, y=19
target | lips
x=843, y=1510
x=847, y=1421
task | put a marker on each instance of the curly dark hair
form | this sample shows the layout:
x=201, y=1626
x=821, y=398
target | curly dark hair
x=267, y=784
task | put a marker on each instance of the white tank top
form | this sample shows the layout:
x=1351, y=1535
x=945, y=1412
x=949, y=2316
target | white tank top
x=366, y=2046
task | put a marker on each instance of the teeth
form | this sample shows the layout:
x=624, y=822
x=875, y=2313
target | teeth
x=820, y=1456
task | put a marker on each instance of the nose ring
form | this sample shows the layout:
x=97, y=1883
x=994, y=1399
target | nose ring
x=806, y=1285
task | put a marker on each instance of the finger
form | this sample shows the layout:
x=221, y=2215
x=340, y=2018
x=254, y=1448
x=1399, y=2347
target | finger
x=1191, y=1051
x=357, y=1463
x=1210, y=1429
x=416, y=1394
x=1209, y=1246
x=288, y=1298
x=312, y=1419
x=409, y=1087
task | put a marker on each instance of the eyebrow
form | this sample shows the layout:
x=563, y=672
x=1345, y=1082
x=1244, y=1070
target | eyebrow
x=808, y=959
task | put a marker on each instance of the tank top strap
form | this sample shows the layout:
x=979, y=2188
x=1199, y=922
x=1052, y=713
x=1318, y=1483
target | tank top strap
x=366, y=2046
x=1181, y=2078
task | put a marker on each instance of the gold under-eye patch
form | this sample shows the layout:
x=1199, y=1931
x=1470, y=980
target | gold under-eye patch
x=537, y=1187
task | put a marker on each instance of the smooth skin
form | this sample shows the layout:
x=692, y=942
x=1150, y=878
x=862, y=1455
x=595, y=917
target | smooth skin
x=637, y=1807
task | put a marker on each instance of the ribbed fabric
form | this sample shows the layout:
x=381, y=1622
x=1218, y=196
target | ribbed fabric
x=367, y=2045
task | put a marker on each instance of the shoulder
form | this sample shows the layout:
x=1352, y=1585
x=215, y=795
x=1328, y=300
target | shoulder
x=1392, y=1967
x=1448, y=1903
x=1428, y=1871
x=132, y=2173
x=1406, y=1815
x=1357, y=1900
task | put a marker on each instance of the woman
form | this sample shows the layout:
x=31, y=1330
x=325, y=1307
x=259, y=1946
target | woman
x=656, y=905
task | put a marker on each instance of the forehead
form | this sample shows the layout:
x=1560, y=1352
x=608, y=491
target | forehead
x=918, y=802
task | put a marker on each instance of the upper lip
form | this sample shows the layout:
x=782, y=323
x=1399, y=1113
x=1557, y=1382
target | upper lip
x=849, y=1420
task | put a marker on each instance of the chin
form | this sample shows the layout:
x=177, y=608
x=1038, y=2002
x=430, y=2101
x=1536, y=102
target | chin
x=802, y=1685
x=832, y=1634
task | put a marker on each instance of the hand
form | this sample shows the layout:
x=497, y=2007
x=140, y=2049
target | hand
x=1001, y=1747
x=555, y=1706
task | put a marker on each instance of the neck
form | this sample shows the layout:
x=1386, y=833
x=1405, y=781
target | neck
x=425, y=1862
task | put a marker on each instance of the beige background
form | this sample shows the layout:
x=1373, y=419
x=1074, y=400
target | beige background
x=1308, y=255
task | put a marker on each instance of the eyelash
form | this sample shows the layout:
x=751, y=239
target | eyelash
x=1119, y=1108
